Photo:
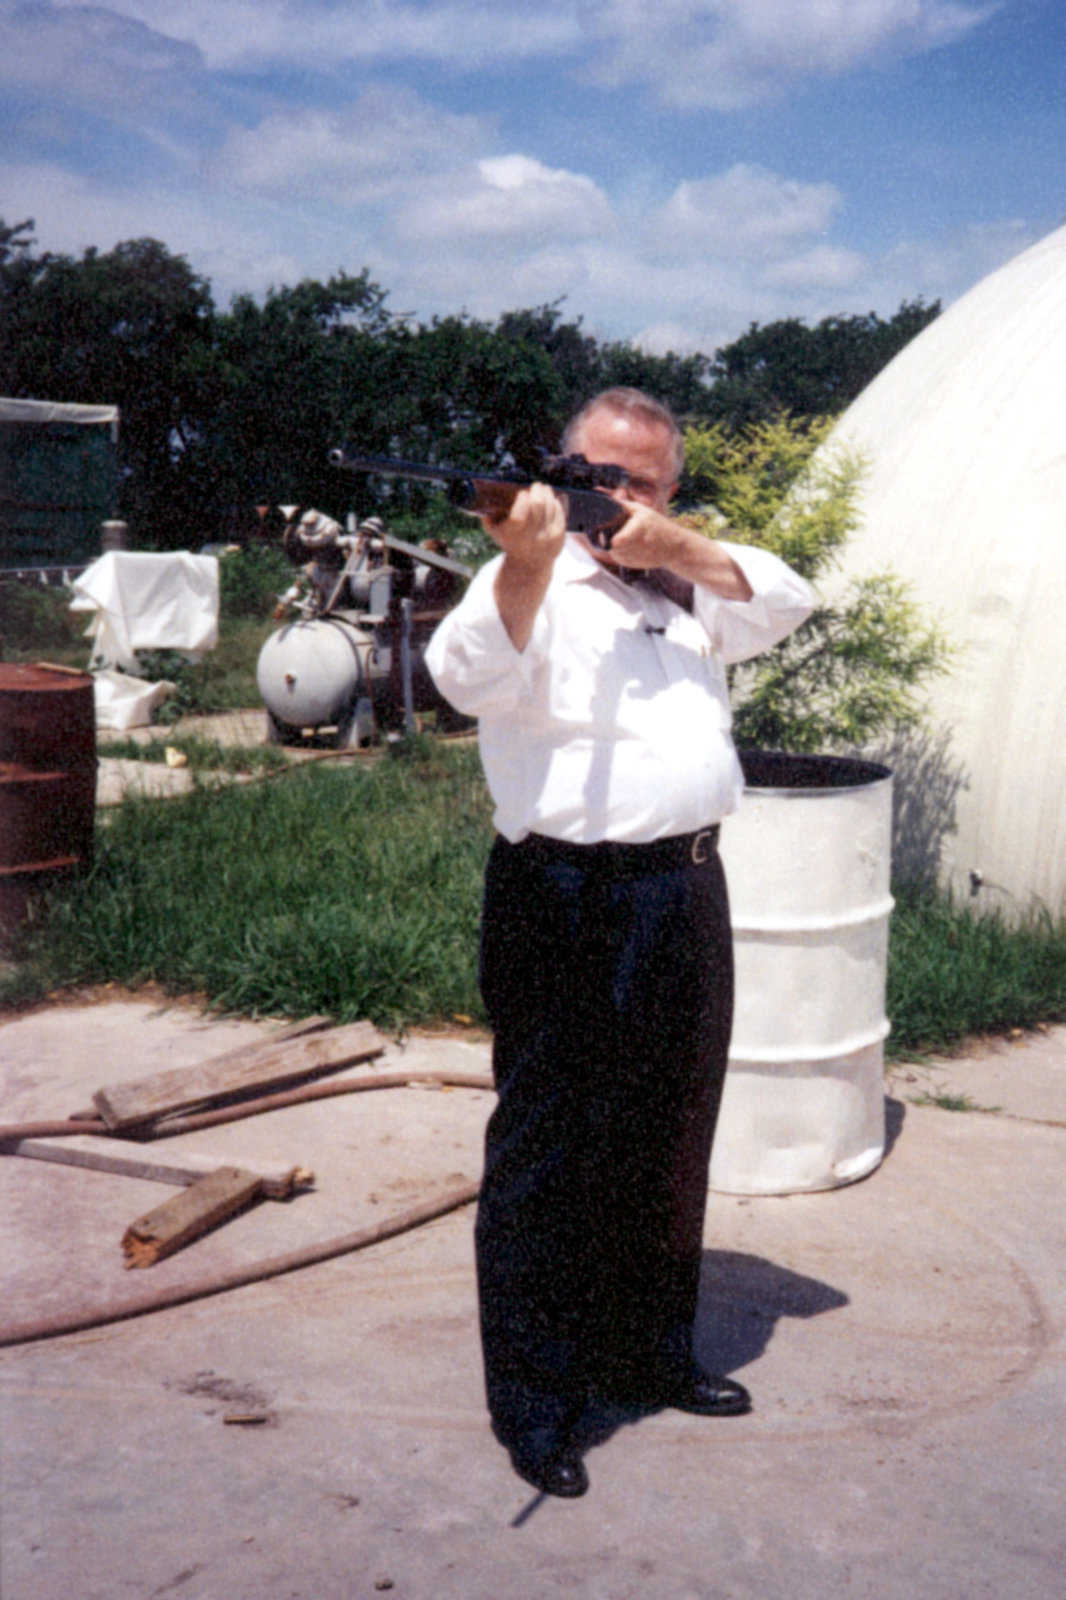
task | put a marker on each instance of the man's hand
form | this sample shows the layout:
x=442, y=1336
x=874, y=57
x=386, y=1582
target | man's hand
x=533, y=530
x=648, y=538
x=530, y=536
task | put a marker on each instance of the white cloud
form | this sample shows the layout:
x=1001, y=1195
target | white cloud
x=722, y=54
x=70, y=72
x=264, y=184
x=258, y=33
x=821, y=268
x=84, y=50
x=385, y=139
x=67, y=70
x=234, y=248
x=747, y=210
x=660, y=338
x=510, y=231
x=945, y=265
x=725, y=54
x=508, y=197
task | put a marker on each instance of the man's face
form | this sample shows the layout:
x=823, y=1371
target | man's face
x=643, y=447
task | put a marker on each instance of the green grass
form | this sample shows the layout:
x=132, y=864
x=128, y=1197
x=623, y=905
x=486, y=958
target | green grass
x=356, y=892
x=950, y=1102
x=954, y=973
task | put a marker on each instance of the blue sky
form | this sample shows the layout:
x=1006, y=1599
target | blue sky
x=672, y=171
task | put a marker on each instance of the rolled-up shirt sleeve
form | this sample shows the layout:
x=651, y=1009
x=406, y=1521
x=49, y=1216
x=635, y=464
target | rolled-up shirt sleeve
x=471, y=658
x=780, y=601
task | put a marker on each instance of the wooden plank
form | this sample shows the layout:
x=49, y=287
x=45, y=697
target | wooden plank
x=266, y=1064
x=156, y=1163
x=293, y=1030
x=184, y=1217
x=289, y=1030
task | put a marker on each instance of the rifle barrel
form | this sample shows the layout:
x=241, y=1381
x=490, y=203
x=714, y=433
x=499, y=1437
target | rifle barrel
x=391, y=467
x=589, y=510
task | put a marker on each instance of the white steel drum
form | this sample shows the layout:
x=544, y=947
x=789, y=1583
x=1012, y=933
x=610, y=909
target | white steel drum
x=808, y=859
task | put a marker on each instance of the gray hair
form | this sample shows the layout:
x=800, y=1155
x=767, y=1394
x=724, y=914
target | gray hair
x=633, y=403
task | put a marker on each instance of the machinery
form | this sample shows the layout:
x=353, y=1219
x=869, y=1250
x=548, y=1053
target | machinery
x=349, y=658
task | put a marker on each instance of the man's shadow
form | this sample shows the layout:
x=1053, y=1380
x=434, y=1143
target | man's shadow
x=742, y=1298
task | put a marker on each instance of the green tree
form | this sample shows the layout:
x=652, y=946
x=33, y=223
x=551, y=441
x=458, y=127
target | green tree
x=221, y=411
x=787, y=366
x=473, y=396
x=290, y=377
x=19, y=264
x=575, y=355
x=131, y=327
x=583, y=366
x=459, y=393
x=680, y=382
x=854, y=671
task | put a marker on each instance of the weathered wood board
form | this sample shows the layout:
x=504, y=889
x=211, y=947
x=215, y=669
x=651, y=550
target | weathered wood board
x=250, y=1068
x=156, y=1163
x=205, y=1203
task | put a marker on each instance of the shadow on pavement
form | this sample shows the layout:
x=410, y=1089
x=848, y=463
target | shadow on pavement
x=742, y=1298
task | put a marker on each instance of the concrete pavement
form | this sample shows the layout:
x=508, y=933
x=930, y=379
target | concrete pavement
x=117, y=776
x=903, y=1338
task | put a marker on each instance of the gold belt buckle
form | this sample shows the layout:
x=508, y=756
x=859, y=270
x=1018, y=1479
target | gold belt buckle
x=702, y=844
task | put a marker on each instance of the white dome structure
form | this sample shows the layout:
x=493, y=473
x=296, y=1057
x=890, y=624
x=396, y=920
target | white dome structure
x=964, y=434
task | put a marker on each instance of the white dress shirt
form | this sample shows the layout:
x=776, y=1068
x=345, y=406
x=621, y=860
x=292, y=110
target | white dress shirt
x=613, y=722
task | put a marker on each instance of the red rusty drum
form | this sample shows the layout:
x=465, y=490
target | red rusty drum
x=47, y=780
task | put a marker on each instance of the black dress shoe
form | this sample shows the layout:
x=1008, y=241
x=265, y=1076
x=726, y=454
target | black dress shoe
x=706, y=1395
x=702, y=1393
x=550, y=1465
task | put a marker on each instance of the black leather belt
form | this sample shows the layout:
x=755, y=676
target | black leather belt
x=626, y=860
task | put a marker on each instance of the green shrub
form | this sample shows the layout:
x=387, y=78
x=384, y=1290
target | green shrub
x=193, y=694
x=855, y=671
x=250, y=580
x=35, y=620
x=955, y=972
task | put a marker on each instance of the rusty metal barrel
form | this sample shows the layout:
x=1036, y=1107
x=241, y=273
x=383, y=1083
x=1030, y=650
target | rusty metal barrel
x=47, y=781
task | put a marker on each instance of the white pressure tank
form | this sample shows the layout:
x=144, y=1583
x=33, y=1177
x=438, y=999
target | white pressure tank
x=311, y=672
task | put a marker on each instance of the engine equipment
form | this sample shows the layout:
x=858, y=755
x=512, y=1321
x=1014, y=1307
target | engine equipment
x=349, y=656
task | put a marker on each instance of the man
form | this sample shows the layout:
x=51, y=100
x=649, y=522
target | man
x=598, y=680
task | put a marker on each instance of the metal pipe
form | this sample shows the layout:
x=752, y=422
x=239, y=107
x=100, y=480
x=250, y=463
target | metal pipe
x=410, y=726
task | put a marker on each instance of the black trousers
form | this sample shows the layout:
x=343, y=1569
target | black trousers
x=610, y=991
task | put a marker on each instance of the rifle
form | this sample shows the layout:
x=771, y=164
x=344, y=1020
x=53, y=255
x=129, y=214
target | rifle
x=491, y=494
